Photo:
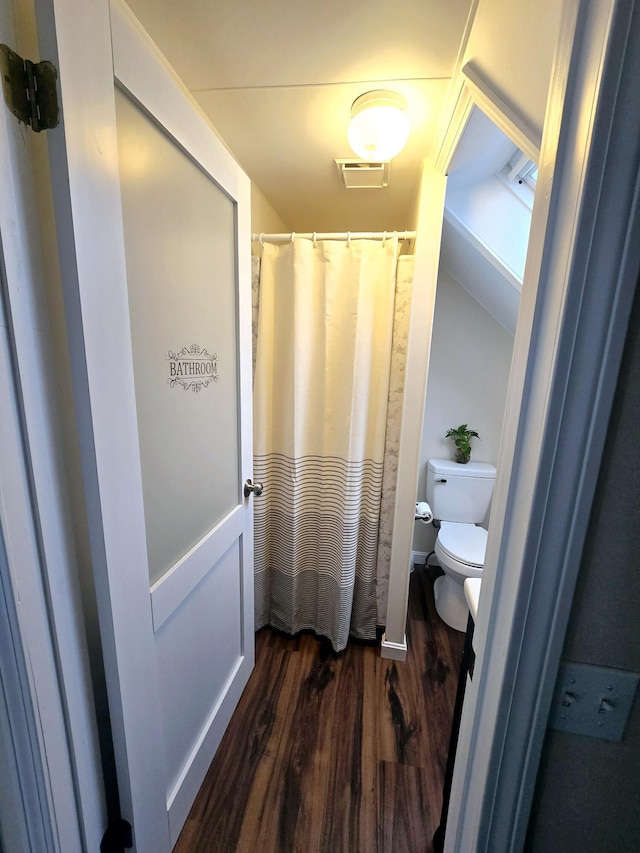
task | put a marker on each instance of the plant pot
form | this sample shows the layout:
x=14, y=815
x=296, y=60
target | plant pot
x=461, y=457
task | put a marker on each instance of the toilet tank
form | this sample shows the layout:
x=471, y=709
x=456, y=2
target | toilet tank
x=457, y=492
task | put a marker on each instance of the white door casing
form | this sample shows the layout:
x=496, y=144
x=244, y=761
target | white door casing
x=431, y=210
x=51, y=722
x=580, y=278
x=176, y=657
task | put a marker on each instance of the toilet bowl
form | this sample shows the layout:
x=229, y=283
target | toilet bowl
x=460, y=549
x=459, y=496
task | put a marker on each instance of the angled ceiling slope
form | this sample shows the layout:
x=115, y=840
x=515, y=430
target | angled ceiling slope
x=486, y=224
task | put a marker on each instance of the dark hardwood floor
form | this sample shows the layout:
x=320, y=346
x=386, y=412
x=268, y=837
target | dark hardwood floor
x=334, y=752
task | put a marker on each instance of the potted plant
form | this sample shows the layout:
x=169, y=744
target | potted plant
x=461, y=437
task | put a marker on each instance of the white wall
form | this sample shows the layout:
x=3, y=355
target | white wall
x=263, y=217
x=468, y=377
x=512, y=45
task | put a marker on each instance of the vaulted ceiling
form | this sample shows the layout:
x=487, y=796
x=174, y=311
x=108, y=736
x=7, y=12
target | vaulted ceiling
x=277, y=80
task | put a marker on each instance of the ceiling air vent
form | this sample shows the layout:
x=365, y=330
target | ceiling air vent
x=360, y=174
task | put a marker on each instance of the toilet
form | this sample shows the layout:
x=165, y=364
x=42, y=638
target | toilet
x=459, y=497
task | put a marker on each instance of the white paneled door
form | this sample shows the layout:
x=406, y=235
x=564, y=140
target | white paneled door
x=152, y=215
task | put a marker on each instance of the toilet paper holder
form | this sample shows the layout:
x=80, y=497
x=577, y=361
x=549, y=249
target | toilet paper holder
x=423, y=512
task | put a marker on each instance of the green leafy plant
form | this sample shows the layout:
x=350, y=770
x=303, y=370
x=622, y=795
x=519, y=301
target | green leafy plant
x=461, y=437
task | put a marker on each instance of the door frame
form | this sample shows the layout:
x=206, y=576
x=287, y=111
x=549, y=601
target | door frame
x=471, y=91
x=580, y=279
x=53, y=720
x=35, y=798
x=500, y=664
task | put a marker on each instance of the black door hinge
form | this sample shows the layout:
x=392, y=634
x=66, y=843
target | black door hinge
x=29, y=89
x=117, y=838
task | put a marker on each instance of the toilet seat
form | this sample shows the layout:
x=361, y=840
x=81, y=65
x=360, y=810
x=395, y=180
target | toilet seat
x=463, y=543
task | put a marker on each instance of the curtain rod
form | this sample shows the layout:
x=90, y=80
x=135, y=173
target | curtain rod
x=333, y=235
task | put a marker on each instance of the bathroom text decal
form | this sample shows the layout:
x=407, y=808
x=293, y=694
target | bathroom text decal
x=192, y=368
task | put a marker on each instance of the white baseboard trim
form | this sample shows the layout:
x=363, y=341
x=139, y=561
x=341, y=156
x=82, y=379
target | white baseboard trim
x=419, y=556
x=393, y=651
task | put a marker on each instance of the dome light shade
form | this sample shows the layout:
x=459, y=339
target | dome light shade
x=379, y=126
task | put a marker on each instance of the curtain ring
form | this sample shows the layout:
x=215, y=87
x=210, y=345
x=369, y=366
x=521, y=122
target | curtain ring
x=261, y=240
x=314, y=240
x=293, y=236
x=348, y=239
x=384, y=239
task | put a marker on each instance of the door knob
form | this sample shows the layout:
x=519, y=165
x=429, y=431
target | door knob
x=250, y=487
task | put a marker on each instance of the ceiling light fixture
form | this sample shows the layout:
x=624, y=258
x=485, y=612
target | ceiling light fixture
x=379, y=126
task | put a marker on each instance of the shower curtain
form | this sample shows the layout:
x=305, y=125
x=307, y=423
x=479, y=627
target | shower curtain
x=329, y=320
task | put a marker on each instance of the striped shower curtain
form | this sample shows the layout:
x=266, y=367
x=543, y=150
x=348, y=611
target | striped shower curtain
x=321, y=393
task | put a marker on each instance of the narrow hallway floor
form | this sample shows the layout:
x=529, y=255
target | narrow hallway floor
x=343, y=753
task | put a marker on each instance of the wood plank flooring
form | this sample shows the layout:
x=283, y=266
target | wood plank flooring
x=334, y=753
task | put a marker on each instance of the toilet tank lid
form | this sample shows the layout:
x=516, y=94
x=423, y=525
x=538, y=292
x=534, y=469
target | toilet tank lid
x=470, y=469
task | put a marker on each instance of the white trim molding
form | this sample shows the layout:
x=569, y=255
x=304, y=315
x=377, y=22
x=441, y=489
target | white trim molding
x=425, y=278
x=471, y=91
x=502, y=114
x=394, y=651
x=581, y=276
x=27, y=804
x=43, y=589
